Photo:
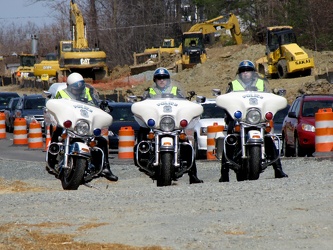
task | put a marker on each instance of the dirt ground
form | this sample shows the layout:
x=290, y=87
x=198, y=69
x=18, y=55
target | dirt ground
x=219, y=69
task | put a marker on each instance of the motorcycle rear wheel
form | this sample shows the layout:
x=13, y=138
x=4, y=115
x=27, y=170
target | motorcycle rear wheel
x=72, y=177
x=165, y=169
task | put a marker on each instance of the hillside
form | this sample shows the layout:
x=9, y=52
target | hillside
x=221, y=67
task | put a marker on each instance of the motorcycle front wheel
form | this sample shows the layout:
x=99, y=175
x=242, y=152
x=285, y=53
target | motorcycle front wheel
x=72, y=177
x=254, y=157
x=165, y=169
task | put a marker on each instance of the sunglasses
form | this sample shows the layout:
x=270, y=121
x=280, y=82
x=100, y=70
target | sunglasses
x=245, y=70
x=162, y=77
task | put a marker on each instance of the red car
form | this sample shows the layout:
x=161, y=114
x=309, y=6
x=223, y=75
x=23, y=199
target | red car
x=298, y=129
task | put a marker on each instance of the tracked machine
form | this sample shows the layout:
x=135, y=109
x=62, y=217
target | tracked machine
x=76, y=56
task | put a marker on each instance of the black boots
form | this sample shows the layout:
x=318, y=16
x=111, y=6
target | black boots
x=107, y=173
x=224, y=173
x=194, y=179
x=278, y=171
x=193, y=175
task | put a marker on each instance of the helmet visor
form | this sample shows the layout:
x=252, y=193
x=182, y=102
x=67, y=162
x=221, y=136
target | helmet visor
x=159, y=77
x=79, y=85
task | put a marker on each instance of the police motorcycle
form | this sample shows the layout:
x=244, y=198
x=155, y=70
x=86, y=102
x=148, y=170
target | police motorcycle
x=244, y=148
x=164, y=154
x=78, y=159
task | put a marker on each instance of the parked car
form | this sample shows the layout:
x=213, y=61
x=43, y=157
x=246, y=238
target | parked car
x=198, y=134
x=298, y=129
x=31, y=107
x=278, y=122
x=9, y=114
x=5, y=98
x=122, y=117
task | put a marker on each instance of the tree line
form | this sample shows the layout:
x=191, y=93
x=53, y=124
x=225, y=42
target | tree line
x=123, y=27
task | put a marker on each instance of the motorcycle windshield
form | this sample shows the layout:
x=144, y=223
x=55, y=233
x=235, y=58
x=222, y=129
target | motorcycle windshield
x=177, y=108
x=244, y=100
x=62, y=110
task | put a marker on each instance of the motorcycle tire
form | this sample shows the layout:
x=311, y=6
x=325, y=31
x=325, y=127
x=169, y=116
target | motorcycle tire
x=72, y=177
x=165, y=169
x=254, y=159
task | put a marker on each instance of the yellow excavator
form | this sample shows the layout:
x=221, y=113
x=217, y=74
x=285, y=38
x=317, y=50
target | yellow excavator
x=75, y=55
x=284, y=57
x=212, y=29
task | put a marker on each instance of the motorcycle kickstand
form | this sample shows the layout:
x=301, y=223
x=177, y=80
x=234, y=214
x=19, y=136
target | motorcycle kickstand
x=91, y=186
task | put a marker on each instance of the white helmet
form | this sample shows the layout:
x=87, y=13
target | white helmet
x=75, y=82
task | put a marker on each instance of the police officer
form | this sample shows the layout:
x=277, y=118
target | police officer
x=162, y=84
x=76, y=89
x=248, y=79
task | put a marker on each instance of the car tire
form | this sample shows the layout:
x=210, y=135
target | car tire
x=198, y=153
x=285, y=148
x=299, y=152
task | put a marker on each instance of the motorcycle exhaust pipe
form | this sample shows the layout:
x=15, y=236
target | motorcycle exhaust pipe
x=144, y=147
x=54, y=148
x=231, y=140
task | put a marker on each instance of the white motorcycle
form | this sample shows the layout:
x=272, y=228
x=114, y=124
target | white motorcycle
x=78, y=160
x=246, y=148
x=165, y=153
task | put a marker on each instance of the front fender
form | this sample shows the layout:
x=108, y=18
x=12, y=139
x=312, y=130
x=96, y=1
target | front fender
x=80, y=149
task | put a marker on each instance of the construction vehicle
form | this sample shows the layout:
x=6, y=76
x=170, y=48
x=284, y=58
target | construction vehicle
x=27, y=61
x=284, y=57
x=168, y=46
x=76, y=55
x=212, y=29
x=48, y=68
x=26, y=68
x=193, y=51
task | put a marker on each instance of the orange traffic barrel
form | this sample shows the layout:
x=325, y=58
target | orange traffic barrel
x=20, y=135
x=324, y=131
x=47, y=137
x=2, y=125
x=35, y=136
x=126, y=143
x=211, y=134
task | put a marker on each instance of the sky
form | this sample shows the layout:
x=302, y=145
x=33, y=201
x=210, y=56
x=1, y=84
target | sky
x=22, y=11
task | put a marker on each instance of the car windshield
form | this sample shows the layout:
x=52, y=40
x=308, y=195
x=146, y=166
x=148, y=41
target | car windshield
x=122, y=114
x=38, y=103
x=312, y=107
x=4, y=100
x=212, y=111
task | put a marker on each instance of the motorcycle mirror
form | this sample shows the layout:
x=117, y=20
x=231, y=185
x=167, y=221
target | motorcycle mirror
x=200, y=99
x=47, y=94
x=281, y=92
x=216, y=92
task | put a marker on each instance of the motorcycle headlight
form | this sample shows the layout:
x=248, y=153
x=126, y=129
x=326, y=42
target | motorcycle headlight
x=167, y=124
x=82, y=128
x=253, y=116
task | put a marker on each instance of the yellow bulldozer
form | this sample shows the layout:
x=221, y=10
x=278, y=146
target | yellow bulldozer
x=193, y=51
x=284, y=57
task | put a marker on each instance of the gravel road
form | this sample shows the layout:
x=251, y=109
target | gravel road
x=289, y=213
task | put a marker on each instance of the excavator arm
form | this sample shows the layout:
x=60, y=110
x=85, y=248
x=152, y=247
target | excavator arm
x=212, y=26
x=78, y=27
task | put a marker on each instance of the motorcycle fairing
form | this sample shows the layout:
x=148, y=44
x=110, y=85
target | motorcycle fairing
x=75, y=111
x=157, y=108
